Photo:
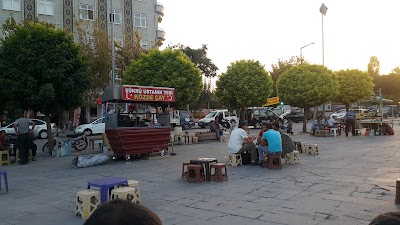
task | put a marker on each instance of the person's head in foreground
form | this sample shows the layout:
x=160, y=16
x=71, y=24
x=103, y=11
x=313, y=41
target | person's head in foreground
x=122, y=212
x=389, y=218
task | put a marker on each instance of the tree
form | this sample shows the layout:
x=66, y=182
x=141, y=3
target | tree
x=41, y=68
x=354, y=85
x=389, y=84
x=96, y=48
x=307, y=86
x=167, y=68
x=246, y=83
x=280, y=67
x=373, y=67
x=208, y=69
x=200, y=59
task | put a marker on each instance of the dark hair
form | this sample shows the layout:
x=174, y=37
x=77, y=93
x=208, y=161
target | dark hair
x=242, y=124
x=122, y=212
x=275, y=124
x=264, y=124
x=389, y=218
x=269, y=126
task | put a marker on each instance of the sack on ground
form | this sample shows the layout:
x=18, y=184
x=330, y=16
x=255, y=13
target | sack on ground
x=83, y=161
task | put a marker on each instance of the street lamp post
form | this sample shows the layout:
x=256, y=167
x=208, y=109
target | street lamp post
x=301, y=53
x=323, y=9
x=112, y=45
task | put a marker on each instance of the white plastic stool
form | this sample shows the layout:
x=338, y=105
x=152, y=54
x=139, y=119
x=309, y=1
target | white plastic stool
x=235, y=159
x=292, y=157
x=303, y=147
x=125, y=193
x=135, y=184
x=223, y=138
x=5, y=157
x=313, y=149
x=334, y=131
x=86, y=202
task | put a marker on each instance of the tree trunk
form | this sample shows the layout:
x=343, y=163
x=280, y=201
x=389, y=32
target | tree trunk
x=242, y=112
x=187, y=108
x=347, y=106
x=306, y=112
x=50, y=139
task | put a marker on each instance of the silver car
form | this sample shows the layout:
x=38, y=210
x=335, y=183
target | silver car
x=40, y=130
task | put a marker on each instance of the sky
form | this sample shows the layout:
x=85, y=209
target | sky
x=269, y=30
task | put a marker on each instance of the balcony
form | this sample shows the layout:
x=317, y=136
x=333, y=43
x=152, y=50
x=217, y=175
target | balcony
x=160, y=34
x=160, y=9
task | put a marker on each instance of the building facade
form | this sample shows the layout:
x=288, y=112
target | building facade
x=141, y=15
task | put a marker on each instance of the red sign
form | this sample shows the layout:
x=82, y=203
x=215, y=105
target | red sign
x=148, y=94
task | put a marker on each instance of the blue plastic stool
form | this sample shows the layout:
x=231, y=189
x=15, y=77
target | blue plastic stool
x=4, y=173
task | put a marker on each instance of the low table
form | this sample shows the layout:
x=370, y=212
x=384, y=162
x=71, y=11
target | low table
x=105, y=184
x=206, y=162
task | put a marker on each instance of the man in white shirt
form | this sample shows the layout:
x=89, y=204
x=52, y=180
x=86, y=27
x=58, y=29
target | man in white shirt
x=239, y=142
x=332, y=122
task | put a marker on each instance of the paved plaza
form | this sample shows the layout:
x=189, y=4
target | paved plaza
x=350, y=182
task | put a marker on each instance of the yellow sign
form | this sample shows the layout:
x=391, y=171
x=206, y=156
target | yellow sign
x=272, y=101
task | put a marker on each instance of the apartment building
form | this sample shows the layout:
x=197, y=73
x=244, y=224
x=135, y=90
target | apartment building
x=143, y=15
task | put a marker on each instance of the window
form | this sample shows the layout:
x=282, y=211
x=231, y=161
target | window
x=142, y=0
x=12, y=5
x=143, y=44
x=46, y=7
x=117, y=15
x=87, y=12
x=140, y=20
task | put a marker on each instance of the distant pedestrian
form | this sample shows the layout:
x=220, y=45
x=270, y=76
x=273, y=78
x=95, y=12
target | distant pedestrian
x=21, y=127
x=350, y=119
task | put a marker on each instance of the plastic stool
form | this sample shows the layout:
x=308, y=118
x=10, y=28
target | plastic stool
x=195, y=173
x=292, y=157
x=334, y=131
x=313, y=149
x=125, y=193
x=223, y=138
x=220, y=173
x=4, y=173
x=135, y=184
x=5, y=158
x=184, y=172
x=274, y=161
x=86, y=202
x=235, y=159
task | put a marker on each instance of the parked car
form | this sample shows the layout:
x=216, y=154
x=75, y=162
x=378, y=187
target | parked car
x=390, y=111
x=96, y=127
x=257, y=115
x=226, y=115
x=295, y=116
x=186, y=120
x=40, y=130
x=339, y=114
x=182, y=118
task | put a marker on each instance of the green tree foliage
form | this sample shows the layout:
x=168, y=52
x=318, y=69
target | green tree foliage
x=200, y=59
x=307, y=86
x=246, y=83
x=42, y=69
x=167, y=68
x=390, y=85
x=280, y=67
x=96, y=48
x=373, y=66
x=354, y=85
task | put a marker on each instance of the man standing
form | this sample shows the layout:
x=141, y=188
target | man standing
x=21, y=127
x=350, y=119
x=239, y=142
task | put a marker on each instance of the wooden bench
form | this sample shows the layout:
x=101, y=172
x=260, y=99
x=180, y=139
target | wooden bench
x=203, y=136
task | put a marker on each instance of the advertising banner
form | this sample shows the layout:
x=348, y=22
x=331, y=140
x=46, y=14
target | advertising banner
x=148, y=94
x=272, y=101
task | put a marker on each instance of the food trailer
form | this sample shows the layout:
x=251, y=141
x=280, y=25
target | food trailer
x=138, y=131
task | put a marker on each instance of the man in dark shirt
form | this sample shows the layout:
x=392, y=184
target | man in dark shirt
x=21, y=127
x=350, y=119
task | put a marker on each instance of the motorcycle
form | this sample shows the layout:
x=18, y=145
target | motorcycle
x=226, y=125
x=78, y=141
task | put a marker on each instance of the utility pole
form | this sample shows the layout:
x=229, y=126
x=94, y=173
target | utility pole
x=381, y=103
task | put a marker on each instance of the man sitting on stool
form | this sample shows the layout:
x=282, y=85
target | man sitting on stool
x=273, y=139
x=239, y=142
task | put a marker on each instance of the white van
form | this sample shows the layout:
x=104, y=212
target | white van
x=231, y=117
